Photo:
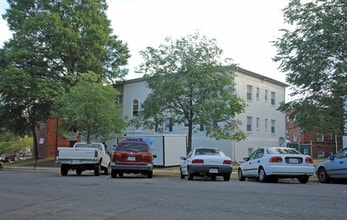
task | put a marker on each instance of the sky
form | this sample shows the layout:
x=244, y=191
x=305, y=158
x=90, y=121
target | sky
x=243, y=29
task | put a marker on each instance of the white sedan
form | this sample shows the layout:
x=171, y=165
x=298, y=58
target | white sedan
x=206, y=161
x=272, y=163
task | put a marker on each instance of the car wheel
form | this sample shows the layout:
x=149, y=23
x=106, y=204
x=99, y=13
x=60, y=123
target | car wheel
x=240, y=175
x=107, y=170
x=213, y=177
x=323, y=176
x=226, y=177
x=150, y=174
x=262, y=175
x=303, y=179
x=97, y=170
x=190, y=176
x=64, y=169
x=113, y=173
x=120, y=174
x=78, y=172
x=182, y=176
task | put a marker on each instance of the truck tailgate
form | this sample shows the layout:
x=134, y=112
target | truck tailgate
x=76, y=153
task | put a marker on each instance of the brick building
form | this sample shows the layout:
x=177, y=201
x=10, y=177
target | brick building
x=323, y=145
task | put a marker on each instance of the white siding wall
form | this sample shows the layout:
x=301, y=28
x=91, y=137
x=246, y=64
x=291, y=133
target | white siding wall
x=137, y=89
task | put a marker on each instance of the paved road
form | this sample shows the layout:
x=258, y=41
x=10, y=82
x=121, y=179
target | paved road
x=47, y=195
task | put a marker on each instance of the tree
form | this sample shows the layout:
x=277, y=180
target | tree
x=314, y=55
x=90, y=108
x=190, y=85
x=54, y=43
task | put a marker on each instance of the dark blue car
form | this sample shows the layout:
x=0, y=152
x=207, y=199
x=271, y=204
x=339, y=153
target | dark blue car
x=333, y=168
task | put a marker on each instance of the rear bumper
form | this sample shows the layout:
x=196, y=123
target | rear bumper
x=77, y=161
x=210, y=169
x=289, y=171
x=127, y=168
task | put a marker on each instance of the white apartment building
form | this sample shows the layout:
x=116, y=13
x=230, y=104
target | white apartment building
x=261, y=121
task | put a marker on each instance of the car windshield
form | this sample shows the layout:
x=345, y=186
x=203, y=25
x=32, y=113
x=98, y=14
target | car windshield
x=209, y=151
x=134, y=147
x=282, y=151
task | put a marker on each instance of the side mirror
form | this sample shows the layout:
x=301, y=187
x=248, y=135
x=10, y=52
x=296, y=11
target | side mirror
x=246, y=158
x=183, y=158
x=154, y=156
x=331, y=158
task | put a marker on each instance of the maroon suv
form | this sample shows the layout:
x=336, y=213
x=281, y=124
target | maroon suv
x=132, y=157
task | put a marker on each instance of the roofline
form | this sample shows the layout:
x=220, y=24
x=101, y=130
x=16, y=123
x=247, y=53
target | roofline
x=262, y=77
x=239, y=69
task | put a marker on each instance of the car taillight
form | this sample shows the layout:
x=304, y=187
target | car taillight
x=147, y=156
x=275, y=160
x=308, y=160
x=96, y=153
x=198, y=161
x=227, y=162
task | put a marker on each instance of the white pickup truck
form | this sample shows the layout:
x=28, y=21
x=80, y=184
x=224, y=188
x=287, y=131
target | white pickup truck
x=84, y=156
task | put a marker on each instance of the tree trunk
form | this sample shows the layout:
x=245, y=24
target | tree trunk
x=36, y=149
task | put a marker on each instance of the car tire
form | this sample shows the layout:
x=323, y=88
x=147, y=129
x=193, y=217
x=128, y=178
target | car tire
x=303, y=179
x=64, y=169
x=226, y=177
x=113, y=173
x=182, y=176
x=97, y=170
x=323, y=176
x=262, y=175
x=190, y=176
x=240, y=175
x=78, y=172
x=107, y=169
x=120, y=174
x=150, y=174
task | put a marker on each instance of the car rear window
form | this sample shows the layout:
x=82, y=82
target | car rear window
x=134, y=147
x=88, y=146
x=282, y=151
x=206, y=151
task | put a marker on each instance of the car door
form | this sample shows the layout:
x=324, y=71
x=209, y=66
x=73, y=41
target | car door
x=252, y=164
x=337, y=167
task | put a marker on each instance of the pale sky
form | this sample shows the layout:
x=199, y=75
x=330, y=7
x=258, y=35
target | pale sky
x=243, y=28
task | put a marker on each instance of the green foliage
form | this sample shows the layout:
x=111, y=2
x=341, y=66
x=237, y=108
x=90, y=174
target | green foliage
x=90, y=108
x=10, y=144
x=189, y=84
x=314, y=55
x=54, y=43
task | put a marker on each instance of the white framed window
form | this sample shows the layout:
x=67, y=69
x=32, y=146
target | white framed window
x=273, y=126
x=249, y=92
x=273, y=98
x=257, y=94
x=295, y=137
x=136, y=107
x=266, y=95
x=320, y=137
x=257, y=123
x=249, y=123
x=266, y=125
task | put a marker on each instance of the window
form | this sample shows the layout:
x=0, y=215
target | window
x=273, y=98
x=320, y=137
x=202, y=127
x=258, y=93
x=295, y=137
x=168, y=124
x=266, y=94
x=249, y=123
x=273, y=126
x=266, y=125
x=135, y=107
x=257, y=123
x=249, y=92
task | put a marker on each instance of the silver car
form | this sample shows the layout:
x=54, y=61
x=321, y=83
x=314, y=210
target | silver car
x=333, y=168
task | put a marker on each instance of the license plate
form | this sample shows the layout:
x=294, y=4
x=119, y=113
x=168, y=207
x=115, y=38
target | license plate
x=293, y=160
x=213, y=170
x=131, y=158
